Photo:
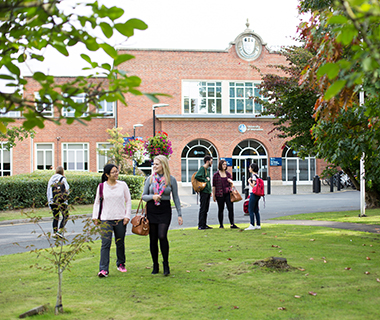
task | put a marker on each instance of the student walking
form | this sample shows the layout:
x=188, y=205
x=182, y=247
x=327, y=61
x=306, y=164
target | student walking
x=221, y=186
x=253, y=205
x=57, y=192
x=115, y=214
x=157, y=190
x=203, y=175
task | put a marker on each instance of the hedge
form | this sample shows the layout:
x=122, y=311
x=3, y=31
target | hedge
x=29, y=190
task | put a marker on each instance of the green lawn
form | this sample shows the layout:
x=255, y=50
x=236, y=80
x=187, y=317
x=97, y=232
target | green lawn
x=372, y=216
x=213, y=277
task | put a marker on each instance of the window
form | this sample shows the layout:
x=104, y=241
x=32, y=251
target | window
x=10, y=114
x=75, y=156
x=107, y=108
x=202, y=97
x=69, y=112
x=45, y=105
x=5, y=161
x=44, y=155
x=102, y=160
x=242, y=96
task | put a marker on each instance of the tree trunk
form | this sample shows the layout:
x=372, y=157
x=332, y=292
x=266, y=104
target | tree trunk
x=372, y=199
x=58, y=306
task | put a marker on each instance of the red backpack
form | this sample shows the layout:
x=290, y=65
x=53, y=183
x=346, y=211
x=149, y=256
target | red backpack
x=258, y=189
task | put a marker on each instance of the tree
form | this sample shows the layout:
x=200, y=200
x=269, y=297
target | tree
x=15, y=133
x=346, y=39
x=116, y=153
x=28, y=27
x=291, y=104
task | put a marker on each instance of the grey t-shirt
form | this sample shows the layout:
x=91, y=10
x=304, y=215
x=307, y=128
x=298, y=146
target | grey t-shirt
x=173, y=189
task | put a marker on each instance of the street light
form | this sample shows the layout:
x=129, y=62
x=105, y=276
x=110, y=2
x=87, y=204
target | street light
x=134, y=136
x=158, y=105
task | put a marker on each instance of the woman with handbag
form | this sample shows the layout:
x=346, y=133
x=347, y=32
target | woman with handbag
x=157, y=190
x=253, y=204
x=112, y=210
x=221, y=186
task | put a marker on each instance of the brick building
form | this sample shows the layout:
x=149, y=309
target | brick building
x=210, y=111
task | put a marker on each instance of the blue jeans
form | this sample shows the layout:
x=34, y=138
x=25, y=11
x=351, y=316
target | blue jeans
x=253, y=209
x=109, y=227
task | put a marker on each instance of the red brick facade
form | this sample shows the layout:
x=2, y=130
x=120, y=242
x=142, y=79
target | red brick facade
x=164, y=71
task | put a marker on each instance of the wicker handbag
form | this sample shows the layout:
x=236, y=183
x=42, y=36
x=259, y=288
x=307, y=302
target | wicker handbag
x=140, y=223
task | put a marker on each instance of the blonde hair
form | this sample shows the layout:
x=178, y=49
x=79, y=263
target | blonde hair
x=165, y=167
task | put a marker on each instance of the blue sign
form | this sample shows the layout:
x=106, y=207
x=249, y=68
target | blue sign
x=127, y=139
x=275, y=162
x=228, y=160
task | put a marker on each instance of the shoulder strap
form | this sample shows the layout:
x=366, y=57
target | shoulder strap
x=61, y=179
x=101, y=200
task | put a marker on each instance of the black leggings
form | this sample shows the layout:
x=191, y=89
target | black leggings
x=159, y=232
x=56, y=208
x=226, y=199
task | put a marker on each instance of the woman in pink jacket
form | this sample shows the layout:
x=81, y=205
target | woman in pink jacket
x=115, y=214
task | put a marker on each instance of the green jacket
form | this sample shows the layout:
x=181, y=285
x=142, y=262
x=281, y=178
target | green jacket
x=201, y=176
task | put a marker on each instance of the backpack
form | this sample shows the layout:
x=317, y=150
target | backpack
x=197, y=185
x=258, y=189
x=60, y=194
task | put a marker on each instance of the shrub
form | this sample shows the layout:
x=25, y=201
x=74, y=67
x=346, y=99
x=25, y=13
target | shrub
x=29, y=190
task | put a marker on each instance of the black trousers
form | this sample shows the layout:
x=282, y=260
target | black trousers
x=225, y=199
x=203, y=209
x=57, y=208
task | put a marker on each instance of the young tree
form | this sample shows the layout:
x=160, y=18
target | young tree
x=28, y=27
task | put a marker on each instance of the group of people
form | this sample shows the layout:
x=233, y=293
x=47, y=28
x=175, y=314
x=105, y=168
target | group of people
x=112, y=208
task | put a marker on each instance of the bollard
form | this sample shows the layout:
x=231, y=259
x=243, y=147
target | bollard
x=243, y=189
x=294, y=184
x=317, y=184
x=332, y=184
x=314, y=180
x=338, y=182
x=268, y=185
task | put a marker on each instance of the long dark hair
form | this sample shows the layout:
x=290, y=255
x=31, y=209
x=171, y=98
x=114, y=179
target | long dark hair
x=107, y=170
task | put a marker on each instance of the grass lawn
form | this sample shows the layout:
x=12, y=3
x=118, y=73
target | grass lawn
x=372, y=216
x=46, y=212
x=212, y=277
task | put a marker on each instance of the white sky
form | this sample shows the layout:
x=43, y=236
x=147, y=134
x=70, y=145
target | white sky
x=194, y=24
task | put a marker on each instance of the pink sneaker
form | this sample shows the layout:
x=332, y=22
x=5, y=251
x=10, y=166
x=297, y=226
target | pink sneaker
x=103, y=274
x=121, y=268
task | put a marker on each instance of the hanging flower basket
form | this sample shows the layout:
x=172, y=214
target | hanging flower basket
x=159, y=144
x=135, y=150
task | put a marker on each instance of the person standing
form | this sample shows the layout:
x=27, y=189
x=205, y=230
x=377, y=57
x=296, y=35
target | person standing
x=56, y=204
x=221, y=186
x=115, y=215
x=156, y=194
x=253, y=204
x=203, y=175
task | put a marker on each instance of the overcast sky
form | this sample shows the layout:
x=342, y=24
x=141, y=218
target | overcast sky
x=195, y=24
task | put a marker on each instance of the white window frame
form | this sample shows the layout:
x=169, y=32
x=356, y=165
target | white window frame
x=67, y=152
x=2, y=150
x=49, y=108
x=99, y=157
x=68, y=112
x=104, y=109
x=250, y=91
x=191, y=94
x=44, y=151
x=10, y=114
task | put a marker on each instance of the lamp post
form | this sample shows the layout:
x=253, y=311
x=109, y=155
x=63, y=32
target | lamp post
x=134, y=136
x=158, y=105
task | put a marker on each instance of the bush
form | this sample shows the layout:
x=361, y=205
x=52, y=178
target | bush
x=29, y=190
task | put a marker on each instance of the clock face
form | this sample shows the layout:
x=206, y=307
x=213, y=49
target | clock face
x=248, y=47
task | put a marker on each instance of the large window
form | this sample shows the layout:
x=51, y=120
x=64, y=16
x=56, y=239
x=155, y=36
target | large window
x=5, y=161
x=75, y=156
x=44, y=156
x=107, y=109
x=202, y=97
x=45, y=105
x=293, y=166
x=242, y=96
x=102, y=160
x=69, y=111
x=9, y=114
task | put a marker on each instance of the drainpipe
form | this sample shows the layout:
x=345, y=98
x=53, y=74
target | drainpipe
x=31, y=153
